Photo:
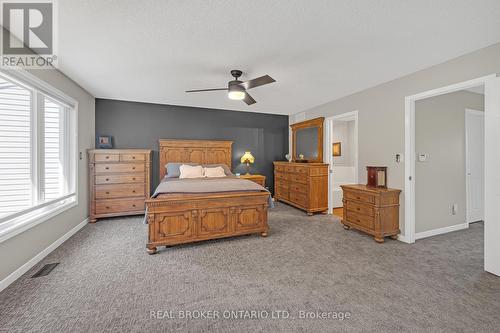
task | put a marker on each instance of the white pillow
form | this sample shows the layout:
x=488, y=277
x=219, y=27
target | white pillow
x=189, y=171
x=214, y=172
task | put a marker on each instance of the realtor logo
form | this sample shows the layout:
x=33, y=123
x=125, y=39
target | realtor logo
x=28, y=33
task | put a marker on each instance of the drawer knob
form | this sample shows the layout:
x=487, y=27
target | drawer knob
x=107, y=192
x=133, y=205
x=133, y=168
x=107, y=157
x=133, y=178
x=358, y=208
x=133, y=157
x=107, y=207
x=107, y=179
x=107, y=168
x=133, y=191
x=359, y=198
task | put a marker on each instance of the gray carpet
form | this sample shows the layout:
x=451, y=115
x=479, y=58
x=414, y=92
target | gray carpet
x=107, y=283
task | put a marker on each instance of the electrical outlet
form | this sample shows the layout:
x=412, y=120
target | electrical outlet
x=454, y=209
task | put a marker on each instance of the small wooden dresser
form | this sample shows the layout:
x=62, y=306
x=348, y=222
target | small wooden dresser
x=372, y=210
x=303, y=185
x=259, y=179
x=119, y=182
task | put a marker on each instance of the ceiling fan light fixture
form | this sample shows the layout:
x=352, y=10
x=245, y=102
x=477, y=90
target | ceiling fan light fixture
x=236, y=92
x=236, y=95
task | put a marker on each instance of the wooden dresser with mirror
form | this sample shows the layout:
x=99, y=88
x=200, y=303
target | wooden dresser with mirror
x=303, y=182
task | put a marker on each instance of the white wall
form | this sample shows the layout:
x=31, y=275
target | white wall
x=440, y=180
x=382, y=110
x=18, y=250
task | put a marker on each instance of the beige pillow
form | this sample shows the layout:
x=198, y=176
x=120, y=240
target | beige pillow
x=214, y=172
x=189, y=171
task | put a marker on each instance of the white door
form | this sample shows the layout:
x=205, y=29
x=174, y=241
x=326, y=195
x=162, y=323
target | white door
x=491, y=178
x=474, y=164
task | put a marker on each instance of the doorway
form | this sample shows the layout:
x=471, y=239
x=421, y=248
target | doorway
x=491, y=165
x=443, y=128
x=341, y=147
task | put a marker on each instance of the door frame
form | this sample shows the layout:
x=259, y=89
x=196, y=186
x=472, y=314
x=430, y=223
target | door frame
x=328, y=158
x=467, y=211
x=409, y=234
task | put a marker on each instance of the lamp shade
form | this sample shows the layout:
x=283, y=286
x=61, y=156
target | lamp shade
x=236, y=92
x=247, y=158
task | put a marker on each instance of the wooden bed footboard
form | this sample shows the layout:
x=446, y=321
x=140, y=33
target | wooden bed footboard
x=177, y=219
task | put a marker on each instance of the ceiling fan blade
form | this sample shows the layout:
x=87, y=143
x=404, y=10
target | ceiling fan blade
x=249, y=99
x=201, y=90
x=260, y=81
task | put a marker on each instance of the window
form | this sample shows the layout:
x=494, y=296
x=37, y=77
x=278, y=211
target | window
x=55, y=168
x=15, y=148
x=37, y=149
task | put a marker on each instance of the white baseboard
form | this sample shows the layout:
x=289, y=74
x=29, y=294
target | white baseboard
x=403, y=239
x=36, y=259
x=434, y=232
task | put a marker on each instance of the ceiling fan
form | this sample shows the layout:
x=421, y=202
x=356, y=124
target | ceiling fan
x=237, y=89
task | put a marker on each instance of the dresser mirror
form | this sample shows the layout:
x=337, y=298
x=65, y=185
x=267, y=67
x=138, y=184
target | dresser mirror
x=307, y=141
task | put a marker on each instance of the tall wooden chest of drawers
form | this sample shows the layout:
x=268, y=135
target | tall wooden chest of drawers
x=303, y=185
x=372, y=210
x=119, y=182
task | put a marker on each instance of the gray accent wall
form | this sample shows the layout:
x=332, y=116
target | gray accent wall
x=141, y=125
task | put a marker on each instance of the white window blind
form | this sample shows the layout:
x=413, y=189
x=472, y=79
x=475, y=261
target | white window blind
x=37, y=150
x=53, y=150
x=15, y=148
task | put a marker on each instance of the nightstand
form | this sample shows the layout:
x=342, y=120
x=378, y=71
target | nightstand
x=259, y=179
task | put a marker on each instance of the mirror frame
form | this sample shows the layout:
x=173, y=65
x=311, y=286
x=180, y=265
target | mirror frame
x=316, y=122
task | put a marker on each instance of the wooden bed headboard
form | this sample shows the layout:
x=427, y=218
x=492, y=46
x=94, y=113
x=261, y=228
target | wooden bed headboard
x=194, y=151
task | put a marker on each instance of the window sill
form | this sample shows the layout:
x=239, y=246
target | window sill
x=27, y=221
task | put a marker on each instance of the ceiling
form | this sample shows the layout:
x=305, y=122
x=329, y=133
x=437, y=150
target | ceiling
x=317, y=50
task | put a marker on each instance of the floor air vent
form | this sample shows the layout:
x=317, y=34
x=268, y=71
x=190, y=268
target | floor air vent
x=45, y=270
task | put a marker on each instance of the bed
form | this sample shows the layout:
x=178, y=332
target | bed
x=182, y=215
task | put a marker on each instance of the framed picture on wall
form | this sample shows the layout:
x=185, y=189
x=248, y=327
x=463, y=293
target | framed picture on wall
x=337, y=149
x=104, y=142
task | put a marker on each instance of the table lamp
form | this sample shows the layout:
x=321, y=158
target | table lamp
x=247, y=158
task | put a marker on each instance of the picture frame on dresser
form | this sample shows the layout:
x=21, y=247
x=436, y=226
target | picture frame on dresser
x=104, y=142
